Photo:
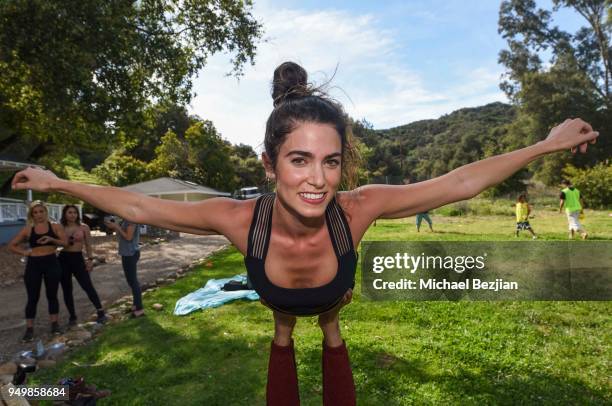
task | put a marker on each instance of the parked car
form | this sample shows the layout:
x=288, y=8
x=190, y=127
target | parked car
x=95, y=221
x=245, y=193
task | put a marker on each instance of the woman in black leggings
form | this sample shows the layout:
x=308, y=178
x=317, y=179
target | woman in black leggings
x=72, y=262
x=43, y=238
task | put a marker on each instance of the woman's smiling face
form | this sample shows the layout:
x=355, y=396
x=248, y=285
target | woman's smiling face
x=308, y=168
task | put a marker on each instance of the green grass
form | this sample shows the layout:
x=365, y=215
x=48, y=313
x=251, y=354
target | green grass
x=402, y=353
x=547, y=223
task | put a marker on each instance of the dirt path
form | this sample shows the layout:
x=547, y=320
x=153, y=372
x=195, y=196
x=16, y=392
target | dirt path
x=156, y=261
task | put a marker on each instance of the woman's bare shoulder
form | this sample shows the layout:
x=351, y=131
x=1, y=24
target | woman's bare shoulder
x=354, y=204
x=245, y=207
x=236, y=223
x=233, y=214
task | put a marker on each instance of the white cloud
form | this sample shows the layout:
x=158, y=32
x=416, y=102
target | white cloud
x=379, y=87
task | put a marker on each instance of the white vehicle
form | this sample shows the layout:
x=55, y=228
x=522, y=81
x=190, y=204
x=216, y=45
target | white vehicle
x=245, y=193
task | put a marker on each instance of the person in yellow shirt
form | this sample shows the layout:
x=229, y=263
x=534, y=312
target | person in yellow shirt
x=522, y=216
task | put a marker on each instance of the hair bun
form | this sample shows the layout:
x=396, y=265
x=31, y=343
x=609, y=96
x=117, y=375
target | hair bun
x=290, y=82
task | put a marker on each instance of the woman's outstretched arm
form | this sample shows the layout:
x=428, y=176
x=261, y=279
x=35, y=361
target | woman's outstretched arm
x=387, y=201
x=203, y=217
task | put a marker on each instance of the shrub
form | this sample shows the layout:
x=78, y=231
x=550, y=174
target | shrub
x=595, y=184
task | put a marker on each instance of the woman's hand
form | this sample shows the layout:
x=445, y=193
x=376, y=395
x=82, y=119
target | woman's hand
x=330, y=317
x=88, y=265
x=573, y=134
x=46, y=239
x=34, y=178
x=348, y=297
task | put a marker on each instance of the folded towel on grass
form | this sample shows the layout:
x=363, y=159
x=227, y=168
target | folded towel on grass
x=211, y=295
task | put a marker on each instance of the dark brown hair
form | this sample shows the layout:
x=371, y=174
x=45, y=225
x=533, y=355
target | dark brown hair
x=296, y=101
x=64, y=221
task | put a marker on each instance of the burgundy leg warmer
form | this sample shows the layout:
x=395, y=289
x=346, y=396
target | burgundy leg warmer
x=282, y=388
x=338, y=384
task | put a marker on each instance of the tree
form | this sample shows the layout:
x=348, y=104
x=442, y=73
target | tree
x=244, y=151
x=76, y=73
x=171, y=159
x=528, y=33
x=161, y=118
x=249, y=169
x=364, y=172
x=202, y=156
x=121, y=169
x=575, y=82
x=210, y=156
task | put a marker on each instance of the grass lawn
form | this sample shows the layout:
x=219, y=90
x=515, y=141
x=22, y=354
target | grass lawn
x=402, y=352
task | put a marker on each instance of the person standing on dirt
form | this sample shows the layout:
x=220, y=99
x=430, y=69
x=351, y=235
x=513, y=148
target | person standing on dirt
x=43, y=238
x=129, y=250
x=74, y=264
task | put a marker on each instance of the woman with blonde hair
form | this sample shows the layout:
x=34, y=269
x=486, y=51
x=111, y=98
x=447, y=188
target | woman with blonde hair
x=300, y=243
x=43, y=238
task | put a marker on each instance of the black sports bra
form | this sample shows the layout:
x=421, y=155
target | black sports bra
x=300, y=301
x=35, y=237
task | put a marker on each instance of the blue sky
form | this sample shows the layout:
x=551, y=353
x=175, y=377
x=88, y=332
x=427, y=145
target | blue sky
x=397, y=61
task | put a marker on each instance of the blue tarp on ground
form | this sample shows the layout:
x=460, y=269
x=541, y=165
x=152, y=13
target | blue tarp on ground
x=211, y=295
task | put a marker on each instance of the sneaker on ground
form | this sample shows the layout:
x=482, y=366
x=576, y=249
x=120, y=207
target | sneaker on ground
x=101, y=319
x=28, y=336
x=55, y=329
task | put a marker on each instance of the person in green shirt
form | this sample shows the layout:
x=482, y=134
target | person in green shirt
x=523, y=210
x=572, y=200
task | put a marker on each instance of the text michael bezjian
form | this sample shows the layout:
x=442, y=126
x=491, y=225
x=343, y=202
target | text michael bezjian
x=444, y=284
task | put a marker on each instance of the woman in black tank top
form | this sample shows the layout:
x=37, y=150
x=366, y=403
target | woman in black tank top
x=299, y=243
x=43, y=238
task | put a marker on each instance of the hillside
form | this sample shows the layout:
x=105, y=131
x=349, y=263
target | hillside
x=429, y=148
